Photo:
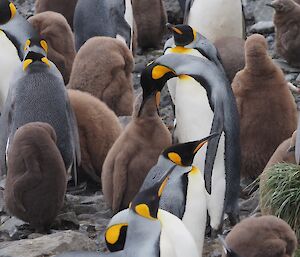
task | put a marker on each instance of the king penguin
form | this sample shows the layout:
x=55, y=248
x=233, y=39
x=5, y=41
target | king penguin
x=218, y=115
x=188, y=95
x=186, y=40
x=215, y=18
x=35, y=86
x=110, y=18
x=8, y=53
x=144, y=227
x=183, y=197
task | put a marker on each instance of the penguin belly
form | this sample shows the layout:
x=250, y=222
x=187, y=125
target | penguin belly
x=129, y=19
x=195, y=214
x=194, y=120
x=217, y=18
x=175, y=238
x=9, y=61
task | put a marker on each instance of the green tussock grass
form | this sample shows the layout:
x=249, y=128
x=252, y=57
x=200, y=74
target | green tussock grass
x=280, y=194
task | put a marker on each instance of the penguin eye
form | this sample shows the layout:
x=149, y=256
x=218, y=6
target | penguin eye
x=44, y=45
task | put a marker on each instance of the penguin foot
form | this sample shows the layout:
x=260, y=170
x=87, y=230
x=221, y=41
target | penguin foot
x=215, y=232
x=77, y=189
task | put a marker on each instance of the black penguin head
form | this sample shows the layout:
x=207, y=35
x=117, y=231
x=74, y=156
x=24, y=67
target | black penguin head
x=282, y=6
x=7, y=11
x=227, y=250
x=183, y=154
x=35, y=50
x=153, y=79
x=183, y=34
x=146, y=202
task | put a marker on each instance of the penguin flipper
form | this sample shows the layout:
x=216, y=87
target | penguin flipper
x=119, y=181
x=75, y=142
x=212, y=147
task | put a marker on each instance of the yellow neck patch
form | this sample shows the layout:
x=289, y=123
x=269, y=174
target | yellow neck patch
x=26, y=63
x=175, y=157
x=112, y=234
x=46, y=61
x=184, y=77
x=162, y=187
x=180, y=50
x=194, y=170
x=13, y=10
x=159, y=71
x=143, y=210
x=27, y=43
x=44, y=45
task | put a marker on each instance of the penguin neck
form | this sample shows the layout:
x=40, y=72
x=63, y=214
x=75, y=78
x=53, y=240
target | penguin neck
x=259, y=64
x=148, y=110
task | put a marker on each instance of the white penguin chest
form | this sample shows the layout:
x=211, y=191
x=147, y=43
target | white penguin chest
x=217, y=18
x=9, y=61
x=193, y=113
x=172, y=232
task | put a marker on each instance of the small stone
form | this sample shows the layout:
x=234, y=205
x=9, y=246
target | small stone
x=263, y=27
x=48, y=245
x=67, y=221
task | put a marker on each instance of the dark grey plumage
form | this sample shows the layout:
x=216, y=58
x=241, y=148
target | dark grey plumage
x=100, y=18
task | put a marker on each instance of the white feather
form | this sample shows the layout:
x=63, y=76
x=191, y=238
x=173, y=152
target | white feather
x=217, y=18
x=9, y=61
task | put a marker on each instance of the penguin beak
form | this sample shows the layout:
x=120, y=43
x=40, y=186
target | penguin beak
x=228, y=252
x=174, y=29
x=270, y=5
x=157, y=98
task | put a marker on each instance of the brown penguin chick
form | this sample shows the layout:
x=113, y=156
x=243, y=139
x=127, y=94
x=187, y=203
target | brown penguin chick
x=266, y=107
x=98, y=129
x=265, y=236
x=151, y=18
x=103, y=67
x=65, y=7
x=287, y=28
x=232, y=53
x=133, y=154
x=54, y=28
x=284, y=153
x=36, y=181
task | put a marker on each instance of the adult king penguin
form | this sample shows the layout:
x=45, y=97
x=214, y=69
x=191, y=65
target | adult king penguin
x=222, y=163
x=215, y=18
x=110, y=18
x=189, y=95
x=186, y=40
x=37, y=93
x=183, y=197
x=144, y=227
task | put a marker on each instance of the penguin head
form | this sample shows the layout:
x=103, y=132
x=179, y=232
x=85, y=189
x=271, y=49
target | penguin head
x=183, y=154
x=227, y=250
x=146, y=202
x=153, y=79
x=35, y=50
x=282, y=6
x=183, y=34
x=7, y=11
x=115, y=234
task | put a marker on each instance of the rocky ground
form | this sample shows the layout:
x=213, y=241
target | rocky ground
x=82, y=221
